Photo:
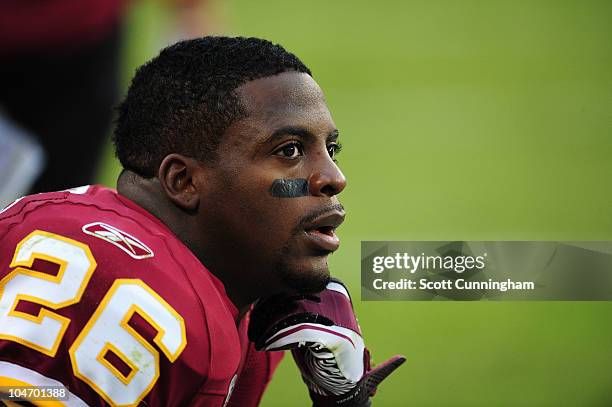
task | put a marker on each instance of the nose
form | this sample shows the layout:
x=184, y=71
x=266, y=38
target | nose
x=326, y=182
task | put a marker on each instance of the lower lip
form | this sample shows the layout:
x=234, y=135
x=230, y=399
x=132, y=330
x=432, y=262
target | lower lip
x=323, y=241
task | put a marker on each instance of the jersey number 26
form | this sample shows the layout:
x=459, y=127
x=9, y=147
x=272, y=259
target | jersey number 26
x=106, y=331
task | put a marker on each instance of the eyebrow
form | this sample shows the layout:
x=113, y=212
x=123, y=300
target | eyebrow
x=300, y=132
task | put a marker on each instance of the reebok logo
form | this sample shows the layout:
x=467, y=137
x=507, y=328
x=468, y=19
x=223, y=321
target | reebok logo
x=126, y=242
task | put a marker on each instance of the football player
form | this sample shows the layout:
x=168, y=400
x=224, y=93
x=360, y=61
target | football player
x=228, y=197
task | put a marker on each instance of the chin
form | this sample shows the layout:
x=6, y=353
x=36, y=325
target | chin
x=307, y=277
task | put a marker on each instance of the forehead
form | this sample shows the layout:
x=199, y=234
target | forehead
x=286, y=99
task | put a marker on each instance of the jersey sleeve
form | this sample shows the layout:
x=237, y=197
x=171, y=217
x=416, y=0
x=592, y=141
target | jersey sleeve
x=107, y=314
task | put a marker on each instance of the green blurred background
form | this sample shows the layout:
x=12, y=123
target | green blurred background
x=467, y=120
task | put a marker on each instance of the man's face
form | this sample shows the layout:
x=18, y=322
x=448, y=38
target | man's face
x=272, y=204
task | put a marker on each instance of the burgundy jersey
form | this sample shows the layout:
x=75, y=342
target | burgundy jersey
x=99, y=296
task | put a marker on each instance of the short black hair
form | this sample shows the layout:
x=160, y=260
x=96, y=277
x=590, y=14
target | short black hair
x=183, y=100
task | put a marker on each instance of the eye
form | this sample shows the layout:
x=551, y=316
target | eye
x=291, y=150
x=334, y=149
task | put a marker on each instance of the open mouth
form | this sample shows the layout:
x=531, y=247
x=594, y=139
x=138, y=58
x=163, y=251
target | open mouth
x=323, y=239
x=321, y=233
x=326, y=230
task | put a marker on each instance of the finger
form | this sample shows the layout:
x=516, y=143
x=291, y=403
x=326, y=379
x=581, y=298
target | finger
x=381, y=372
x=264, y=336
x=333, y=337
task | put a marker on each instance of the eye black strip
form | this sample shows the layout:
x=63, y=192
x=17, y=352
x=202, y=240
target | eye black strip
x=289, y=188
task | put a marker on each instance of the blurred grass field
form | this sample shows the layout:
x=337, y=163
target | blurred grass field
x=468, y=120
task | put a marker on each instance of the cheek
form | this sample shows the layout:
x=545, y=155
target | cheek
x=253, y=212
x=275, y=219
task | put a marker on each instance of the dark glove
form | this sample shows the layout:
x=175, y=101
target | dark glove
x=325, y=339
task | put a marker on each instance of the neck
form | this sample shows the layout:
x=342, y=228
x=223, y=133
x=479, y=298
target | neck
x=149, y=195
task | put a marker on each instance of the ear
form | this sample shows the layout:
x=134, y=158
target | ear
x=177, y=175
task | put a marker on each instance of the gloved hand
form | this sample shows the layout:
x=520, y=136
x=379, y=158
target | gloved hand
x=323, y=335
